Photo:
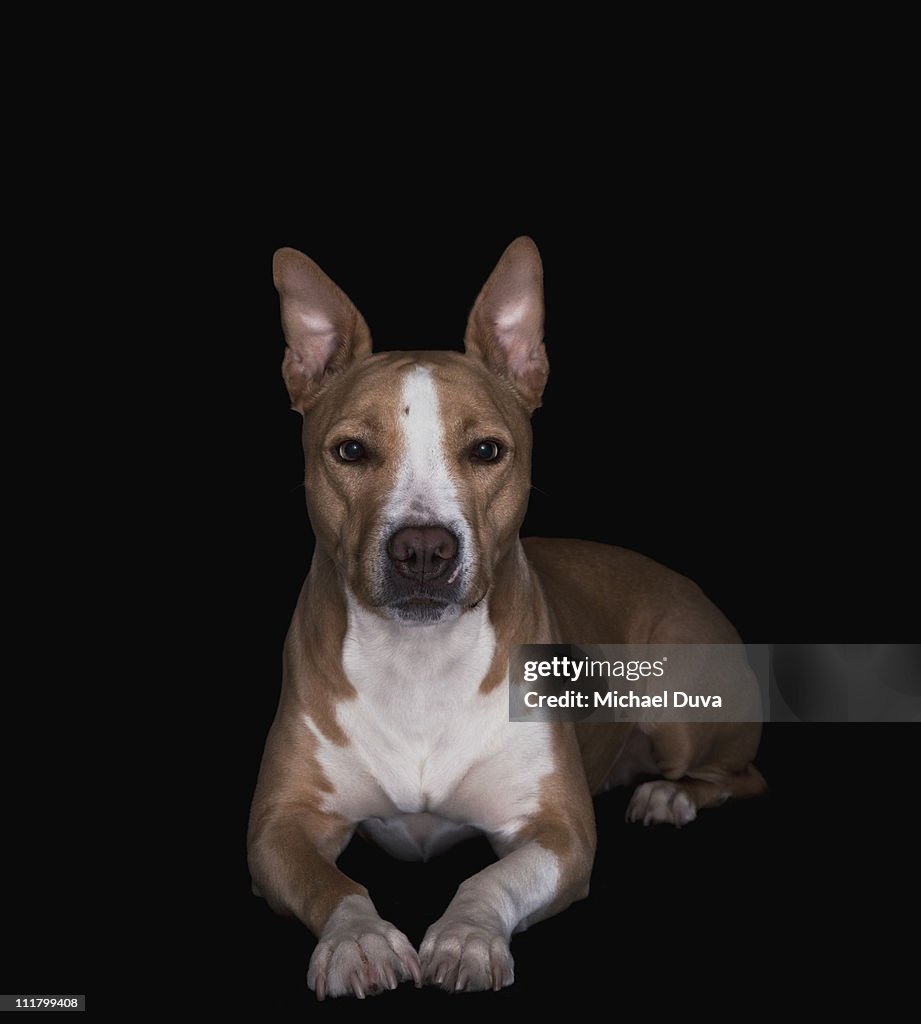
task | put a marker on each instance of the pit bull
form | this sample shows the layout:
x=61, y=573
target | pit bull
x=394, y=711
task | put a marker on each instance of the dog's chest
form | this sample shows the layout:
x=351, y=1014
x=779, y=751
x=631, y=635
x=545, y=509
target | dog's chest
x=422, y=737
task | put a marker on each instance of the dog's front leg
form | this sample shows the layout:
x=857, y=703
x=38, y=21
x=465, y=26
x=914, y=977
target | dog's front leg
x=358, y=953
x=546, y=868
x=293, y=846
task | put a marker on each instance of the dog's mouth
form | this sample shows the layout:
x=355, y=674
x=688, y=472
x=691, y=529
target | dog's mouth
x=420, y=607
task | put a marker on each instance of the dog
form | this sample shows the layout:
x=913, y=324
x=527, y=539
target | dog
x=394, y=712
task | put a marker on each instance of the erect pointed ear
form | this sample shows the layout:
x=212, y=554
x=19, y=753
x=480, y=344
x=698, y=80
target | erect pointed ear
x=506, y=324
x=324, y=331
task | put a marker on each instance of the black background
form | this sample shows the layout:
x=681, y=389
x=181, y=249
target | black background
x=726, y=396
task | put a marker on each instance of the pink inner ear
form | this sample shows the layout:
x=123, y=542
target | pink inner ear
x=520, y=355
x=315, y=323
x=511, y=316
x=316, y=353
x=511, y=326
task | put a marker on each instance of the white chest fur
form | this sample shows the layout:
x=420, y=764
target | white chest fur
x=423, y=739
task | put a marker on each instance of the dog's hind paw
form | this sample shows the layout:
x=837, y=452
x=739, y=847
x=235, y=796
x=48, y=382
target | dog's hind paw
x=661, y=802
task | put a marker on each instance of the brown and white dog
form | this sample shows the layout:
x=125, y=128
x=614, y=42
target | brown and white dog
x=394, y=712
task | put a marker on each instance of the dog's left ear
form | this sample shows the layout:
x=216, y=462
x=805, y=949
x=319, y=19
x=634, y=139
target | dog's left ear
x=506, y=324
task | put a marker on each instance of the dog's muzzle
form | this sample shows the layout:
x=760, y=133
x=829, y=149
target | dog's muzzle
x=423, y=572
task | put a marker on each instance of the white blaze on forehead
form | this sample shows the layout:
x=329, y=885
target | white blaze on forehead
x=424, y=493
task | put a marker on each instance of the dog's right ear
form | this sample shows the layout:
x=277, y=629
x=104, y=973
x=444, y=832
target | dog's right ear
x=323, y=329
x=506, y=325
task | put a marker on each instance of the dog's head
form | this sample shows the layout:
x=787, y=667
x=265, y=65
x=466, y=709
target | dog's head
x=417, y=463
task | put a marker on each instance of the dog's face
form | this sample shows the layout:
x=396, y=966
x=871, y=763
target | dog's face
x=417, y=463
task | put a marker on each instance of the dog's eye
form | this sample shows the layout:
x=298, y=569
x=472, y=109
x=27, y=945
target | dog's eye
x=485, y=451
x=350, y=451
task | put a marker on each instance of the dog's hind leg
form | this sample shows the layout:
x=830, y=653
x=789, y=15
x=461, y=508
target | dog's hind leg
x=697, y=774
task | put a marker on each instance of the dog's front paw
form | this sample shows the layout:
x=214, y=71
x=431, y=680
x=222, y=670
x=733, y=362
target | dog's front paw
x=462, y=957
x=360, y=954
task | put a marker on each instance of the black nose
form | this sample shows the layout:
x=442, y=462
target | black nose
x=422, y=552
